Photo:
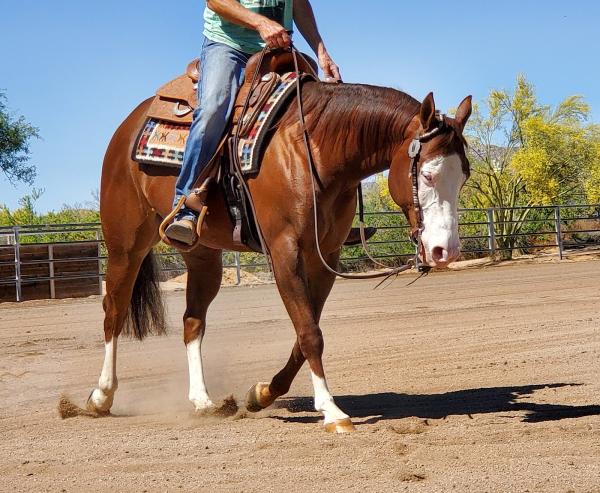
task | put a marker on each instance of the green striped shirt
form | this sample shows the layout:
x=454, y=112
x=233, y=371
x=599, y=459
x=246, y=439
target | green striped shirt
x=242, y=38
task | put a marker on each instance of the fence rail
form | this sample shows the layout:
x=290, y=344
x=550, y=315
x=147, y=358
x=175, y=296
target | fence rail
x=498, y=231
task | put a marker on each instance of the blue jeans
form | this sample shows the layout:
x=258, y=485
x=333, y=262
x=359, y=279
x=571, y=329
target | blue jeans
x=221, y=75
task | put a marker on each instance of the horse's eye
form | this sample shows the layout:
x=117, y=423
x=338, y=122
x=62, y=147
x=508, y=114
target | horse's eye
x=428, y=178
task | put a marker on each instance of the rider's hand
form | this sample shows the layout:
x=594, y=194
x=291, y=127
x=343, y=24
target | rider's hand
x=274, y=34
x=330, y=70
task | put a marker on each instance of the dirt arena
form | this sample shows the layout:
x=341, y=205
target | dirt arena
x=470, y=381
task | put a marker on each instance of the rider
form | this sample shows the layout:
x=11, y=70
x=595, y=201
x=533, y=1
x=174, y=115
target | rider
x=233, y=31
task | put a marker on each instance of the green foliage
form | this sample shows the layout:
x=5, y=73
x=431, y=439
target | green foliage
x=524, y=153
x=26, y=215
x=380, y=199
x=592, y=179
x=391, y=243
x=15, y=137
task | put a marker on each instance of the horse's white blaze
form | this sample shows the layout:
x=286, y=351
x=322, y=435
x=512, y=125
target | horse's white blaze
x=198, y=394
x=102, y=397
x=440, y=181
x=324, y=401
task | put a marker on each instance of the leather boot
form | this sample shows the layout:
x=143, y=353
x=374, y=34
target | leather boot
x=183, y=231
x=196, y=200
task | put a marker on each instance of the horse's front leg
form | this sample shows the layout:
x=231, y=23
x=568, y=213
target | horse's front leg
x=304, y=286
x=262, y=395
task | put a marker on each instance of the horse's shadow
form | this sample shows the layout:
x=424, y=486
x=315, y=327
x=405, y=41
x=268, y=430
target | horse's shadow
x=390, y=405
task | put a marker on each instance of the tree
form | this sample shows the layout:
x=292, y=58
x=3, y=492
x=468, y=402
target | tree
x=592, y=183
x=25, y=214
x=15, y=137
x=524, y=153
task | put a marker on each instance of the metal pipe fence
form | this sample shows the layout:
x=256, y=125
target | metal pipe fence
x=556, y=230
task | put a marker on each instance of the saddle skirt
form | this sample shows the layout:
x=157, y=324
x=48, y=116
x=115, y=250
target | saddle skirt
x=175, y=101
x=162, y=140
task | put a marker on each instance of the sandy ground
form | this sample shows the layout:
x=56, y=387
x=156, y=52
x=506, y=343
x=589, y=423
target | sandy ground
x=475, y=380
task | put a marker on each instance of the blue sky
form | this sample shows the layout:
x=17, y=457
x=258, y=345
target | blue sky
x=76, y=69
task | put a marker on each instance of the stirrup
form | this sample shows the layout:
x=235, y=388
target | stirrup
x=167, y=220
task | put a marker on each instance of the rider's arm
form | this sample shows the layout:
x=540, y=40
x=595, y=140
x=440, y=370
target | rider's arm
x=270, y=31
x=304, y=18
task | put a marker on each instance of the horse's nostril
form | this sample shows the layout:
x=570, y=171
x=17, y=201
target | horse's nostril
x=439, y=254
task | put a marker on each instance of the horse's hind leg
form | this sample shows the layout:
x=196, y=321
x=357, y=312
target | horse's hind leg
x=129, y=265
x=204, y=280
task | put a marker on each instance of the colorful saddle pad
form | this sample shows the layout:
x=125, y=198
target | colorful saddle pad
x=162, y=143
x=250, y=144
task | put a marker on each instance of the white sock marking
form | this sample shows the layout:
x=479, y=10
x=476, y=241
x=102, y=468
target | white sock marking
x=324, y=401
x=198, y=393
x=102, y=397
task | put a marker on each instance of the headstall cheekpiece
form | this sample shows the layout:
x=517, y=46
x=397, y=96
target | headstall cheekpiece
x=414, y=152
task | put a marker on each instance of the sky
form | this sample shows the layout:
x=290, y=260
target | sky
x=76, y=69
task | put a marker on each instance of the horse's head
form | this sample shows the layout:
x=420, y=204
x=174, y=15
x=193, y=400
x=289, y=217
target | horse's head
x=435, y=149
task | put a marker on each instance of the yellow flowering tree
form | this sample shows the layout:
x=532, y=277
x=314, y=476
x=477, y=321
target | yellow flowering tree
x=524, y=153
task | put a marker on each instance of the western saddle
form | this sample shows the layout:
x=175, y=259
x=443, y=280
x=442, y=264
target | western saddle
x=176, y=101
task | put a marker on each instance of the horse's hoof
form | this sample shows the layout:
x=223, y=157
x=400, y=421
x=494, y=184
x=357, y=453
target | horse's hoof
x=340, y=426
x=203, y=405
x=258, y=397
x=92, y=408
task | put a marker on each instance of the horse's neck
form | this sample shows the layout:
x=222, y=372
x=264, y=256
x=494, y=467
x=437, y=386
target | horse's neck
x=377, y=163
x=356, y=165
x=354, y=128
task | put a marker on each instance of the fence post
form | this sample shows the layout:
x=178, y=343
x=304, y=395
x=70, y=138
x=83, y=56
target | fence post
x=238, y=268
x=491, y=232
x=559, y=241
x=98, y=239
x=51, y=271
x=18, y=289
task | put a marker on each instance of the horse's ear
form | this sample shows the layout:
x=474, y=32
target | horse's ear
x=464, y=112
x=427, y=114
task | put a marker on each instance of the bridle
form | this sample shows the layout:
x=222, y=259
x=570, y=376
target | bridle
x=414, y=153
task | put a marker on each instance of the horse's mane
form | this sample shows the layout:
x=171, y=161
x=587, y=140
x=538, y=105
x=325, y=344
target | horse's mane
x=344, y=118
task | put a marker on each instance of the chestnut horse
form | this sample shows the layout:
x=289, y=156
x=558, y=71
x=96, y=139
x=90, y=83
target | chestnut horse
x=355, y=132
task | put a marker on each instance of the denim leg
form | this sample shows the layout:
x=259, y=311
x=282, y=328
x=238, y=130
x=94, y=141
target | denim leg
x=222, y=73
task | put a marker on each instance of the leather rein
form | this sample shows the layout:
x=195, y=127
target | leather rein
x=414, y=153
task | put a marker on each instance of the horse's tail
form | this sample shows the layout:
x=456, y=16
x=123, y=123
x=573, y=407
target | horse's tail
x=146, y=313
